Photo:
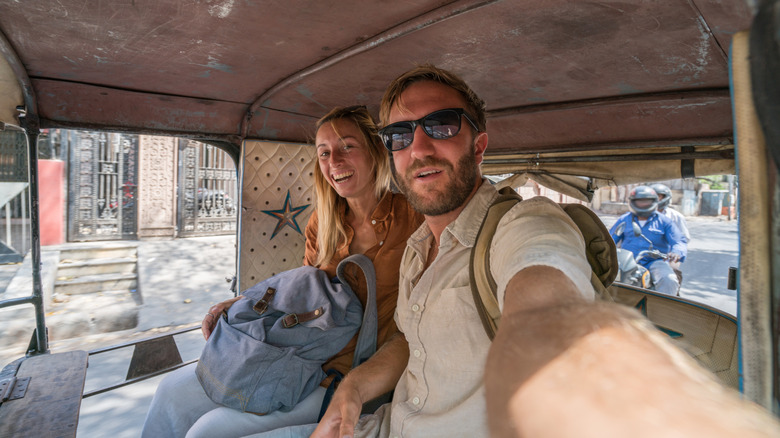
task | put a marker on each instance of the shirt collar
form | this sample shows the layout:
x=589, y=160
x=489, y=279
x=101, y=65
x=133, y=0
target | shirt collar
x=652, y=217
x=463, y=228
x=385, y=206
x=380, y=213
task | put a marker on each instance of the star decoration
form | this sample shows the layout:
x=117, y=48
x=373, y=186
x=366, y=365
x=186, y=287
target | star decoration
x=287, y=216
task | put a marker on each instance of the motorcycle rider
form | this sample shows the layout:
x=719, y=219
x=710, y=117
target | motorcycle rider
x=664, y=198
x=658, y=229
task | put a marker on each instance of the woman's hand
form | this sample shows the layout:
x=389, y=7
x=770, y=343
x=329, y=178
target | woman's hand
x=342, y=414
x=214, y=312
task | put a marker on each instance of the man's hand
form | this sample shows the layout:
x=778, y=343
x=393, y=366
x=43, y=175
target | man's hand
x=342, y=415
x=213, y=314
x=672, y=257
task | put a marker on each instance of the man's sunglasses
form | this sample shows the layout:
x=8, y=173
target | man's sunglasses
x=438, y=125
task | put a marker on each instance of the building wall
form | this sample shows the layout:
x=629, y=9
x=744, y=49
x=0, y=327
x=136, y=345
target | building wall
x=51, y=180
x=157, y=187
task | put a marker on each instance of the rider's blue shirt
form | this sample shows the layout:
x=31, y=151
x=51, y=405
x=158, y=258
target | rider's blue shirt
x=664, y=234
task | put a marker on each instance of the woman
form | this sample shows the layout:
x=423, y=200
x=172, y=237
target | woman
x=356, y=213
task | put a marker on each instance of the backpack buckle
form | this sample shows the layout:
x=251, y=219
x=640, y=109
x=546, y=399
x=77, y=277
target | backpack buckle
x=262, y=305
x=290, y=320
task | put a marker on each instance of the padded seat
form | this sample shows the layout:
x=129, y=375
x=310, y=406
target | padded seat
x=50, y=407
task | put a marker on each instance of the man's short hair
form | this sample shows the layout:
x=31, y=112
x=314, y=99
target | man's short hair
x=427, y=72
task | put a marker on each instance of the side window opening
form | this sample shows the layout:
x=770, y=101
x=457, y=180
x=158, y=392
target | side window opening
x=709, y=206
x=138, y=236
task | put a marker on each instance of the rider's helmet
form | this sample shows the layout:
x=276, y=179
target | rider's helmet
x=642, y=201
x=664, y=195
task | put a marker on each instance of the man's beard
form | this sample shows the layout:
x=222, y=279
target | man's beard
x=455, y=195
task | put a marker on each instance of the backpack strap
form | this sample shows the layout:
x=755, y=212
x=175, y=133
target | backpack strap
x=599, y=248
x=483, y=286
x=366, y=342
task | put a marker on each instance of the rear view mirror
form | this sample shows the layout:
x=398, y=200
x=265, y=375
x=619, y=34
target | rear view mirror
x=637, y=230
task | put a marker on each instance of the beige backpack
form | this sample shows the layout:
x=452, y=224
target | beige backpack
x=600, y=248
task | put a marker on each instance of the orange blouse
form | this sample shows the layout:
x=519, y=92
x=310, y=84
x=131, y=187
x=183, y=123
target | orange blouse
x=394, y=221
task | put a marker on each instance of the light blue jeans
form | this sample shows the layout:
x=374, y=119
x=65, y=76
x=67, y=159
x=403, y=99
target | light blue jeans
x=180, y=408
x=664, y=278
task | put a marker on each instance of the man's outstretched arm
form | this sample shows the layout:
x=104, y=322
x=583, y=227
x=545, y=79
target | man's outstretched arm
x=375, y=377
x=561, y=366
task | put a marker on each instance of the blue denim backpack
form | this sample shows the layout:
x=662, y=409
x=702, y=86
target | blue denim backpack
x=266, y=352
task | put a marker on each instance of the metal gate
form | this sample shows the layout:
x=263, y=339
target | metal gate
x=103, y=177
x=14, y=193
x=207, y=190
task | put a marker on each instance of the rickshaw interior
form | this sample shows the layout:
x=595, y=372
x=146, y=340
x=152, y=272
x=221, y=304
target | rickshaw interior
x=580, y=95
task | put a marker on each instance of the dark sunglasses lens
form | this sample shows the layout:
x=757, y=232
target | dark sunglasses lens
x=398, y=135
x=442, y=124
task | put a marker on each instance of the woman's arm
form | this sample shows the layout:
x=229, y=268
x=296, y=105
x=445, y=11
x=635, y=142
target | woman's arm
x=210, y=320
x=375, y=377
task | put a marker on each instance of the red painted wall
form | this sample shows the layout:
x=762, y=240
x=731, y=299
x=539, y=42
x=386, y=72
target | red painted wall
x=52, y=199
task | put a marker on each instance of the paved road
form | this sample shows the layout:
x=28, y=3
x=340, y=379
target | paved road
x=713, y=249
x=178, y=279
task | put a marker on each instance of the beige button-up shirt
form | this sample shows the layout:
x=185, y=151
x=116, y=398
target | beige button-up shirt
x=441, y=392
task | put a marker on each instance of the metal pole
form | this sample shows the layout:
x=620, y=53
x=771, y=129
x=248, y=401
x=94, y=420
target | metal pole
x=28, y=117
x=8, y=224
x=42, y=344
x=24, y=223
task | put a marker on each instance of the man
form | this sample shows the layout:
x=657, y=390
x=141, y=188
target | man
x=664, y=199
x=657, y=232
x=557, y=357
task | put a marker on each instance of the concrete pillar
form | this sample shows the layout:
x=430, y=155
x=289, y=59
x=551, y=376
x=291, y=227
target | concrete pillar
x=596, y=201
x=157, y=170
x=51, y=176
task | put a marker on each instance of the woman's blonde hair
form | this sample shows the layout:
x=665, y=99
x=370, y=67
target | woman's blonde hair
x=331, y=232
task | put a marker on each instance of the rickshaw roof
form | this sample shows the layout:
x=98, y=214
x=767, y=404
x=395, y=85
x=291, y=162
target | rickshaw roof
x=558, y=76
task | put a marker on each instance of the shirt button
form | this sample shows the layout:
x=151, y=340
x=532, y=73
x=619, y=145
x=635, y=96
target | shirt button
x=416, y=400
x=415, y=308
x=373, y=221
x=417, y=353
x=381, y=243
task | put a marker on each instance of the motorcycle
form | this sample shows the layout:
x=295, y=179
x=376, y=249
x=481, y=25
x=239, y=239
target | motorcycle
x=630, y=271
